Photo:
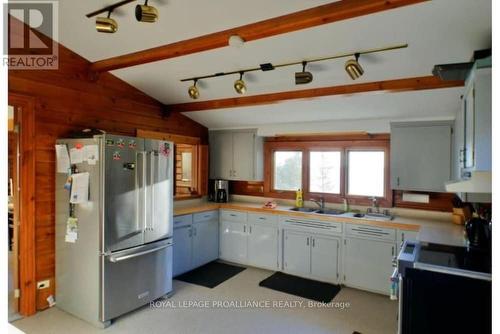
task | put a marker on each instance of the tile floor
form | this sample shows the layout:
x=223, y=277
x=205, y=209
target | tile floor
x=368, y=313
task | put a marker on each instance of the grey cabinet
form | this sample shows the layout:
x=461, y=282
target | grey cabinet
x=236, y=155
x=421, y=155
x=473, y=141
x=195, y=241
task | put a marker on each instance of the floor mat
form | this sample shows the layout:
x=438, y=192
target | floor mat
x=302, y=287
x=211, y=274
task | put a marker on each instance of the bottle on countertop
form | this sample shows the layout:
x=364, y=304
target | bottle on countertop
x=299, y=199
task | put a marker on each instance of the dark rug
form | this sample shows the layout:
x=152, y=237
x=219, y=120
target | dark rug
x=211, y=274
x=302, y=287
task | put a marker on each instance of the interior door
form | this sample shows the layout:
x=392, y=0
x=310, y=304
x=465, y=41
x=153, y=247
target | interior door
x=368, y=264
x=158, y=190
x=325, y=259
x=263, y=246
x=297, y=253
x=123, y=163
x=182, y=254
x=233, y=241
x=205, y=242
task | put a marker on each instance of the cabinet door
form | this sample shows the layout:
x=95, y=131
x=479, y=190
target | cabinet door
x=205, y=242
x=297, y=253
x=368, y=264
x=182, y=250
x=243, y=155
x=325, y=259
x=421, y=157
x=263, y=246
x=221, y=155
x=459, y=143
x=469, y=127
x=233, y=242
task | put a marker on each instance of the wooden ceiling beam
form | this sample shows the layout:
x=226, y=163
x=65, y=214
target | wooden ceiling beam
x=397, y=85
x=325, y=14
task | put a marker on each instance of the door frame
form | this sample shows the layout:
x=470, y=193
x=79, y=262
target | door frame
x=25, y=112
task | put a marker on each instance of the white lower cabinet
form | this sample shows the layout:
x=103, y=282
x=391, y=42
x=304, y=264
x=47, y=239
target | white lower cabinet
x=297, y=253
x=312, y=256
x=233, y=241
x=368, y=264
x=262, y=246
x=249, y=239
x=195, y=241
x=182, y=250
x=205, y=242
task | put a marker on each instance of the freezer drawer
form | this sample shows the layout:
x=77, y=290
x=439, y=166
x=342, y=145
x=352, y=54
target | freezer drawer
x=134, y=277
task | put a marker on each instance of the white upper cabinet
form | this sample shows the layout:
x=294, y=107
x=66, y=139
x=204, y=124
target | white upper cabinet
x=236, y=155
x=421, y=155
x=472, y=149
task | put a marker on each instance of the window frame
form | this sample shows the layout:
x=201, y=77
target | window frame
x=328, y=143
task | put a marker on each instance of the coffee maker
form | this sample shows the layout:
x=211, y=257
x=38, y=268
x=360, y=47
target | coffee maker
x=218, y=191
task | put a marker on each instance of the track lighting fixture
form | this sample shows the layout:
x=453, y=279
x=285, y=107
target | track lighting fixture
x=193, y=91
x=145, y=13
x=353, y=68
x=106, y=24
x=303, y=77
x=239, y=85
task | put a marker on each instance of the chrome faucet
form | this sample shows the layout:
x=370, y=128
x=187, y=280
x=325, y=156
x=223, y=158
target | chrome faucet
x=320, y=202
x=375, y=205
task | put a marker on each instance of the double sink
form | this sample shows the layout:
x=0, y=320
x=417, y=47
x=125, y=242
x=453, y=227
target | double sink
x=340, y=213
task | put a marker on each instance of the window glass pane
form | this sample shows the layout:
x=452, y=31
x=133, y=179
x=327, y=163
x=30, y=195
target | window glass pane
x=287, y=170
x=324, y=172
x=366, y=173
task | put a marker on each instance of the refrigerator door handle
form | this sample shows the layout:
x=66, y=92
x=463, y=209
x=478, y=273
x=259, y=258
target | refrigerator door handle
x=144, y=192
x=154, y=179
x=130, y=256
x=139, y=188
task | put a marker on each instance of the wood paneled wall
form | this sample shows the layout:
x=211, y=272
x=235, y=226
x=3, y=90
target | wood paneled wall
x=67, y=100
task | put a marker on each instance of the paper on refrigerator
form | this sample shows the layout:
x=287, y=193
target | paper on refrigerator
x=79, y=188
x=62, y=158
x=91, y=154
x=76, y=155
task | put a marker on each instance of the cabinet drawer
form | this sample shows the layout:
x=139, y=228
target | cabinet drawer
x=183, y=220
x=371, y=232
x=207, y=215
x=234, y=216
x=262, y=218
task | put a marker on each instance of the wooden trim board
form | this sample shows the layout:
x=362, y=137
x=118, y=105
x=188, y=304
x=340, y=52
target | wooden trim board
x=387, y=86
x=308, y=18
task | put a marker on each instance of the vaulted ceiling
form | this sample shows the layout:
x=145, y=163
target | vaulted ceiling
x=438, y=31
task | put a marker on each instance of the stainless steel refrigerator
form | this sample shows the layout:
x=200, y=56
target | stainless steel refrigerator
x=119, y=256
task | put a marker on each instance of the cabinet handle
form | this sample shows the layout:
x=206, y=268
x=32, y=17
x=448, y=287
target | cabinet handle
x=190, y=232
x=244, y=229
x=307, y=241
x=250, y=229
x=194, y=231
x=402, y=236
x=392, y=252
x=314, y=241
x=397, y=180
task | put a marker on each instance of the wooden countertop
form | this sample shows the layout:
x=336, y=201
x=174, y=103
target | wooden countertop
x=430, y=230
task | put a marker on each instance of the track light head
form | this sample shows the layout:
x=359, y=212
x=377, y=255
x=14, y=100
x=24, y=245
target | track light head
x=145, y=13
x=193, y=91
x=106, y=24
x=353, y=68
x=239, y=85
x=302, y=78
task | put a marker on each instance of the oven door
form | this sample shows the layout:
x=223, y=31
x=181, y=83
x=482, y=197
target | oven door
x=436, y=302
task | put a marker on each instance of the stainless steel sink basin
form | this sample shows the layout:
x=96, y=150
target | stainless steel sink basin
x=303, y=209
x=330, y=212
x=378, y=215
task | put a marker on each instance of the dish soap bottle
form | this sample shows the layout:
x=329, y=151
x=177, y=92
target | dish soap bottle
x=299, y=200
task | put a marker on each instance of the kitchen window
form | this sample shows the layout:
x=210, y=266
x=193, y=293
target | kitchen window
x=287, y=170
x=337, y=168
